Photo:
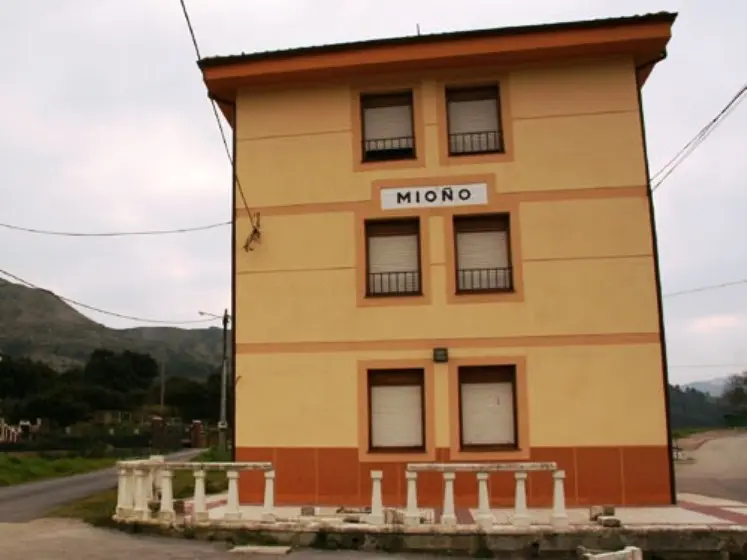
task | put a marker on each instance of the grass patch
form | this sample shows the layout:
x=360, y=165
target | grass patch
x=98, y=508
x=17, y=468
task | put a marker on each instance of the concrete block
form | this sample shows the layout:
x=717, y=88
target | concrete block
x=267, y=550
x=608, y=521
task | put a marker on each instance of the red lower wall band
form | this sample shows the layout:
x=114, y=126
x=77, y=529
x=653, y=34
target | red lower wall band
x=630, y=475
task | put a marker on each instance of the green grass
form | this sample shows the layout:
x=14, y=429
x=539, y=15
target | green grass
x=99, y=508
x=17, y=468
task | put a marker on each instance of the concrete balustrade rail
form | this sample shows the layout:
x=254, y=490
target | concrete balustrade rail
x=485, y=518
x=140, y=482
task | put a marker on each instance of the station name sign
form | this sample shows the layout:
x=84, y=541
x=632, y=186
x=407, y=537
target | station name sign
x=426, y=197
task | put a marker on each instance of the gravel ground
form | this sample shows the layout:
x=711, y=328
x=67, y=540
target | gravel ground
x=719, y=469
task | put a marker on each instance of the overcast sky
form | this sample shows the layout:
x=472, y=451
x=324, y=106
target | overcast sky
x=106, y=126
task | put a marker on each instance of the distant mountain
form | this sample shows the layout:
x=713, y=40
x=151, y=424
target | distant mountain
x=37, y=324
x=714, y=387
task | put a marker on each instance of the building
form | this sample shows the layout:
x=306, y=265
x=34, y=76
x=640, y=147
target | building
x=447, y=253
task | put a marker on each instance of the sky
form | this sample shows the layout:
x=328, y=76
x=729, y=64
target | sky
x=106, y=126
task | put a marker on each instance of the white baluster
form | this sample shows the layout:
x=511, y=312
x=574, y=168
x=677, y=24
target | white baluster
x=233, y=512
x=156, y=482
x=268, y=509
x=485, y=518
x=412, y=513
x=141, y=501
x=149, y=481
x=124, y=506
x=376, y=517
x=199, y=507
x=521, y=513
x=448, y=517
x=559, y=516
x=131, y=490
x=166, y=512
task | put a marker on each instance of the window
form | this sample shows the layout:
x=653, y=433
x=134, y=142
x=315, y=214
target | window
x=474, y=121
x=487, y=407
x=396, y=410
x=387, y=122
x=483, y=256
x=393, y=257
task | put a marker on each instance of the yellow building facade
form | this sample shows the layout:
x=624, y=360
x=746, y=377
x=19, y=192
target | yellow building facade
x=447, y=253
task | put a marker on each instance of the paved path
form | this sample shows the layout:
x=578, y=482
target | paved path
x=719, y=469
x=25, y=502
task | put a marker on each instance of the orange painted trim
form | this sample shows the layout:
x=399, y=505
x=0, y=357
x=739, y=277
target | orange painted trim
x=442, y=122
x=538, y=341
x=429, y=429
x=372, y=205
x=522, y=410
x=640, y=39
x=418, y=124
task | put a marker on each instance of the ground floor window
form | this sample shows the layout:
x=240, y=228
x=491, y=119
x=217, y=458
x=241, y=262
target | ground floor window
x=396, y=408
x=487, y=408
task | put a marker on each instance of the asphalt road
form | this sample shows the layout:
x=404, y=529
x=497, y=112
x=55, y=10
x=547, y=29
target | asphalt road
x=25, y=502
x=719, y=469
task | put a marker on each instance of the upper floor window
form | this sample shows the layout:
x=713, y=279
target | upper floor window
x=387, y=123
x=393, y=257
x=483, y=256
x=474, y=120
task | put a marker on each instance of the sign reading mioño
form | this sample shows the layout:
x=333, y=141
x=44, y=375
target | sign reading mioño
x=443, y=195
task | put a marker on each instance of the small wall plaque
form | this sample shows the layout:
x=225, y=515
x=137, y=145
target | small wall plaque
x=440, y=355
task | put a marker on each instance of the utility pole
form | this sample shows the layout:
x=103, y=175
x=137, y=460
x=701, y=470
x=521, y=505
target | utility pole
x=222, y=422
x=163, y=387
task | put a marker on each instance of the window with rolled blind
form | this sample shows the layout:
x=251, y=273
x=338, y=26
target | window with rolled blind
x=483, y=255
x=396, y=409
x=387, y=125
x=474, y=120
x=393, y=257
x=487, y=407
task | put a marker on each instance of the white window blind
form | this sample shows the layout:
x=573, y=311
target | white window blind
x=487, y=411
x=396, y=416
x=389, y=255
x=473, y=125
x=386, y=123
x=482, y=258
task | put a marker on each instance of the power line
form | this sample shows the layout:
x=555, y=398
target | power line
x=103, y=311
x=255, y=225
x=113, y=233
x=709, y=366
x=707, y=288
x=660, y=176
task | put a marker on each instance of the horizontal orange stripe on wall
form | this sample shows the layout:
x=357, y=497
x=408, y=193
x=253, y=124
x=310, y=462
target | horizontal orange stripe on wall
x=630, y=475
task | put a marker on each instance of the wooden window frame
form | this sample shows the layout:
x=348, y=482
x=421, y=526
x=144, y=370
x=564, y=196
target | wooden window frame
x=379, y=99
x=454, y=94
x=482, y=223
x=488, y=374
x=404, y=377
x=393, y=226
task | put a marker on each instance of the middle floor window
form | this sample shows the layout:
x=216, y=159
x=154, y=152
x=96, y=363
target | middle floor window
x=393, y=257
x=483, y=255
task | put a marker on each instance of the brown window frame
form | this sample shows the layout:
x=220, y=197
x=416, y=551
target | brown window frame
x=404, y=377
x=488, y=374
x=455, y=94
x=483, y=223
x=393, y=226
x=390, y=99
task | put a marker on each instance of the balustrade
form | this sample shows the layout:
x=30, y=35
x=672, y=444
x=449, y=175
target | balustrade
x=484, y=518
x=141, y=483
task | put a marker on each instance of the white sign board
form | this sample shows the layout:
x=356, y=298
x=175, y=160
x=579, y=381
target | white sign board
x=426, y=197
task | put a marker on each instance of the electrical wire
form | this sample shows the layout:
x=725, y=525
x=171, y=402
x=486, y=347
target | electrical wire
x=214, y=105
x=113, y=233
x=103, y=311
x=707, y=288
x=660, y=176
x=709, y=366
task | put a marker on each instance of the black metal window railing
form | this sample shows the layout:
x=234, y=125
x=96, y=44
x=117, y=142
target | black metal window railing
x=394, y=283
x=484, y=279
x=466, y=143
x=383, y=149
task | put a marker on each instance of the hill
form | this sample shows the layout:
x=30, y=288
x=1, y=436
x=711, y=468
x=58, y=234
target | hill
x=714, y=387
x=37, y=324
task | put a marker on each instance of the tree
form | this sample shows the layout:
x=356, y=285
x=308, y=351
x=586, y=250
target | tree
x=734, y=399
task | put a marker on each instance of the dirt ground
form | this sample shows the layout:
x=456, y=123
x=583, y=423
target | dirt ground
x=719, y=468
